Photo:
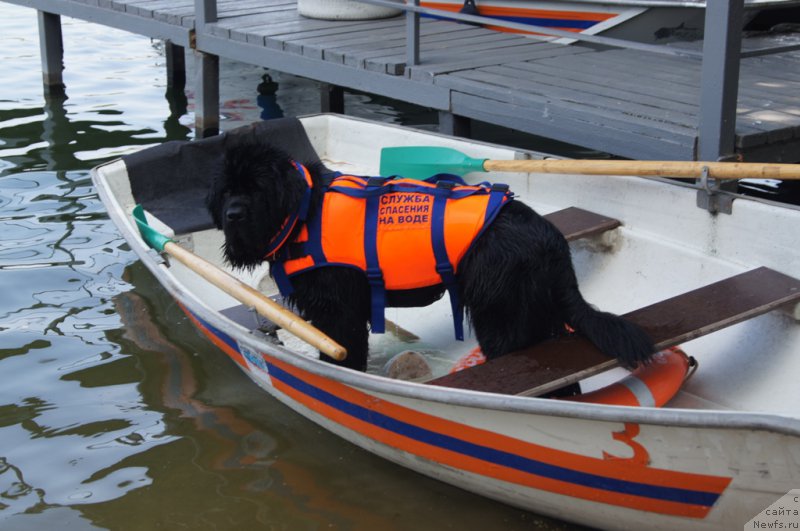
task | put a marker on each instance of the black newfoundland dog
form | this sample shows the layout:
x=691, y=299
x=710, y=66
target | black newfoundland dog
x=516, y=281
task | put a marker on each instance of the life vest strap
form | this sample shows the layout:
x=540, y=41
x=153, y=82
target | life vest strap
x=278, y=271
x=444, y=266
x=292, y=220
x=497, y=196
x=373, y=271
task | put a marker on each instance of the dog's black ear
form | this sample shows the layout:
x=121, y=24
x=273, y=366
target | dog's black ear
x=214, y=202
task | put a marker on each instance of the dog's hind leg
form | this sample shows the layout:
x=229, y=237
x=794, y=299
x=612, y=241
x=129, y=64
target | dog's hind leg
x=613, y=335
x=505, y=282
x=499, y=330
x=519, y=285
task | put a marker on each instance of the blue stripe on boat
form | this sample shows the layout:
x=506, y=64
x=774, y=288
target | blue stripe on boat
x=492, y=455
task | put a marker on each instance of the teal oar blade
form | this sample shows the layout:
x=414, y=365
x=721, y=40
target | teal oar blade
x=420, y=162
x=151, y=236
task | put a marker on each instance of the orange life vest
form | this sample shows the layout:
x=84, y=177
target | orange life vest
x=403, y=233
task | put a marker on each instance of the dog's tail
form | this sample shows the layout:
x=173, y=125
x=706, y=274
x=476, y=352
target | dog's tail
x=610, y=333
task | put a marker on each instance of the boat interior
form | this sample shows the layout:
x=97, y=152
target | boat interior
x=730, y=305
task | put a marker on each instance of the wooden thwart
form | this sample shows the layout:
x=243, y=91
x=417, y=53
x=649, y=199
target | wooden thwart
x=554, y=364
x=576, y=223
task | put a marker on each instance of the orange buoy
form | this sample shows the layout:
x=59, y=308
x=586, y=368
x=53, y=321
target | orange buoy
x=651, y=385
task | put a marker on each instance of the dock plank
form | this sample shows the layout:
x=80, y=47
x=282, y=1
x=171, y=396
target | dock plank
x=495, y=88
x=580, y=128
x=612, y=97
x=585, y=84
x=451, y=43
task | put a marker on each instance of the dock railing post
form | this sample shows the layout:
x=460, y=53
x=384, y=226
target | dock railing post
x=722, y=43
x=206, y=114
x=205, y=12
x=412, y=35
x=51, y=48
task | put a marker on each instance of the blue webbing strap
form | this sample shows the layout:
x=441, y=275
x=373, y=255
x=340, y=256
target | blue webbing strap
x=311, y=247
x=281, y=279
x=443, y=265
x=374, y=274
x=496, y=198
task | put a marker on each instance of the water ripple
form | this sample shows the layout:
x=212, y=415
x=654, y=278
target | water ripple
x=62, y=263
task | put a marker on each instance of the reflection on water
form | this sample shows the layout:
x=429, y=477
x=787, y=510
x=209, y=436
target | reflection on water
x=66, y=387
x=114, y=412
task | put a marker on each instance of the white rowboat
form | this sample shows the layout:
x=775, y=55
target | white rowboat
x=720, y=452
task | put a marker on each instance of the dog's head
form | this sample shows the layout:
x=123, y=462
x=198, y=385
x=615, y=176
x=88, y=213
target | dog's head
x=257, y=189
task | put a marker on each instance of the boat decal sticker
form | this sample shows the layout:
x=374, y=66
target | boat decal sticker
x=505, y=458
x=253, y=358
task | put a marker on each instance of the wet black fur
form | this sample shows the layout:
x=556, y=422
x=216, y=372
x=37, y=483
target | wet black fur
x=517, y=282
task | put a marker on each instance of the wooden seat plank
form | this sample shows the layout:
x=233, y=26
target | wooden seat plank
x=576, y=223
x=559, y=362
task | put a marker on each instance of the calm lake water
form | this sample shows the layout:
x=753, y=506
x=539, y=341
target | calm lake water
x=114, y=412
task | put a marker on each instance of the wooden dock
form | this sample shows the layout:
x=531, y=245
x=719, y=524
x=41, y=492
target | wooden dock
x=625, y=102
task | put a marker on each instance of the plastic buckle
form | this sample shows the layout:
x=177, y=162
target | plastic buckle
x=445, y=270
x=375, y=277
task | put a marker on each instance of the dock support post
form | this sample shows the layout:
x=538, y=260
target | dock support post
x=722, y=43
x=51, y=48
x=454, y=125
x=331, y=98
x=206, y=113
x=176, y=66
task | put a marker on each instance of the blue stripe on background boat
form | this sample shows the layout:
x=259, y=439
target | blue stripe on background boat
x=637, y=20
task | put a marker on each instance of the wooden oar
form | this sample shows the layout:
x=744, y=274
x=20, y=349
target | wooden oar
x=240, y=291
x=420, y=162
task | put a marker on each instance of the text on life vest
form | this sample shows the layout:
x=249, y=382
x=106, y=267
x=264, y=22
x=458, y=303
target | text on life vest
x=405, y=210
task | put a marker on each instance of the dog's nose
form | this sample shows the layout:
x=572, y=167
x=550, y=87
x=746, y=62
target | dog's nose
x=234, y=213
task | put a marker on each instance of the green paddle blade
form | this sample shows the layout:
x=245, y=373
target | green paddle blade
x=152, y=237
x=420, y=162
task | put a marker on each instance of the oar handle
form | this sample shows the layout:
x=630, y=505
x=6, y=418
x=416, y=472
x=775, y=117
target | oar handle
x=265, y=306
x=650, y=168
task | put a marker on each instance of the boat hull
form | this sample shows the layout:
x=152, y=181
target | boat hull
x=656, y=22
x=611, y=474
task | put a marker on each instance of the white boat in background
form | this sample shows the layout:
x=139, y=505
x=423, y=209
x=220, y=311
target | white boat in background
x=651, y=21
x=723, y=449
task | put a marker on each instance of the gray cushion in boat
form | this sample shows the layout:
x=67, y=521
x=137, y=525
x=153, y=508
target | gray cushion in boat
x=171, y=180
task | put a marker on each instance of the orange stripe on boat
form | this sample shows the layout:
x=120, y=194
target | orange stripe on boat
x=214, y=336
x=487, y=453
x=708, y=487
x=497, y=11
